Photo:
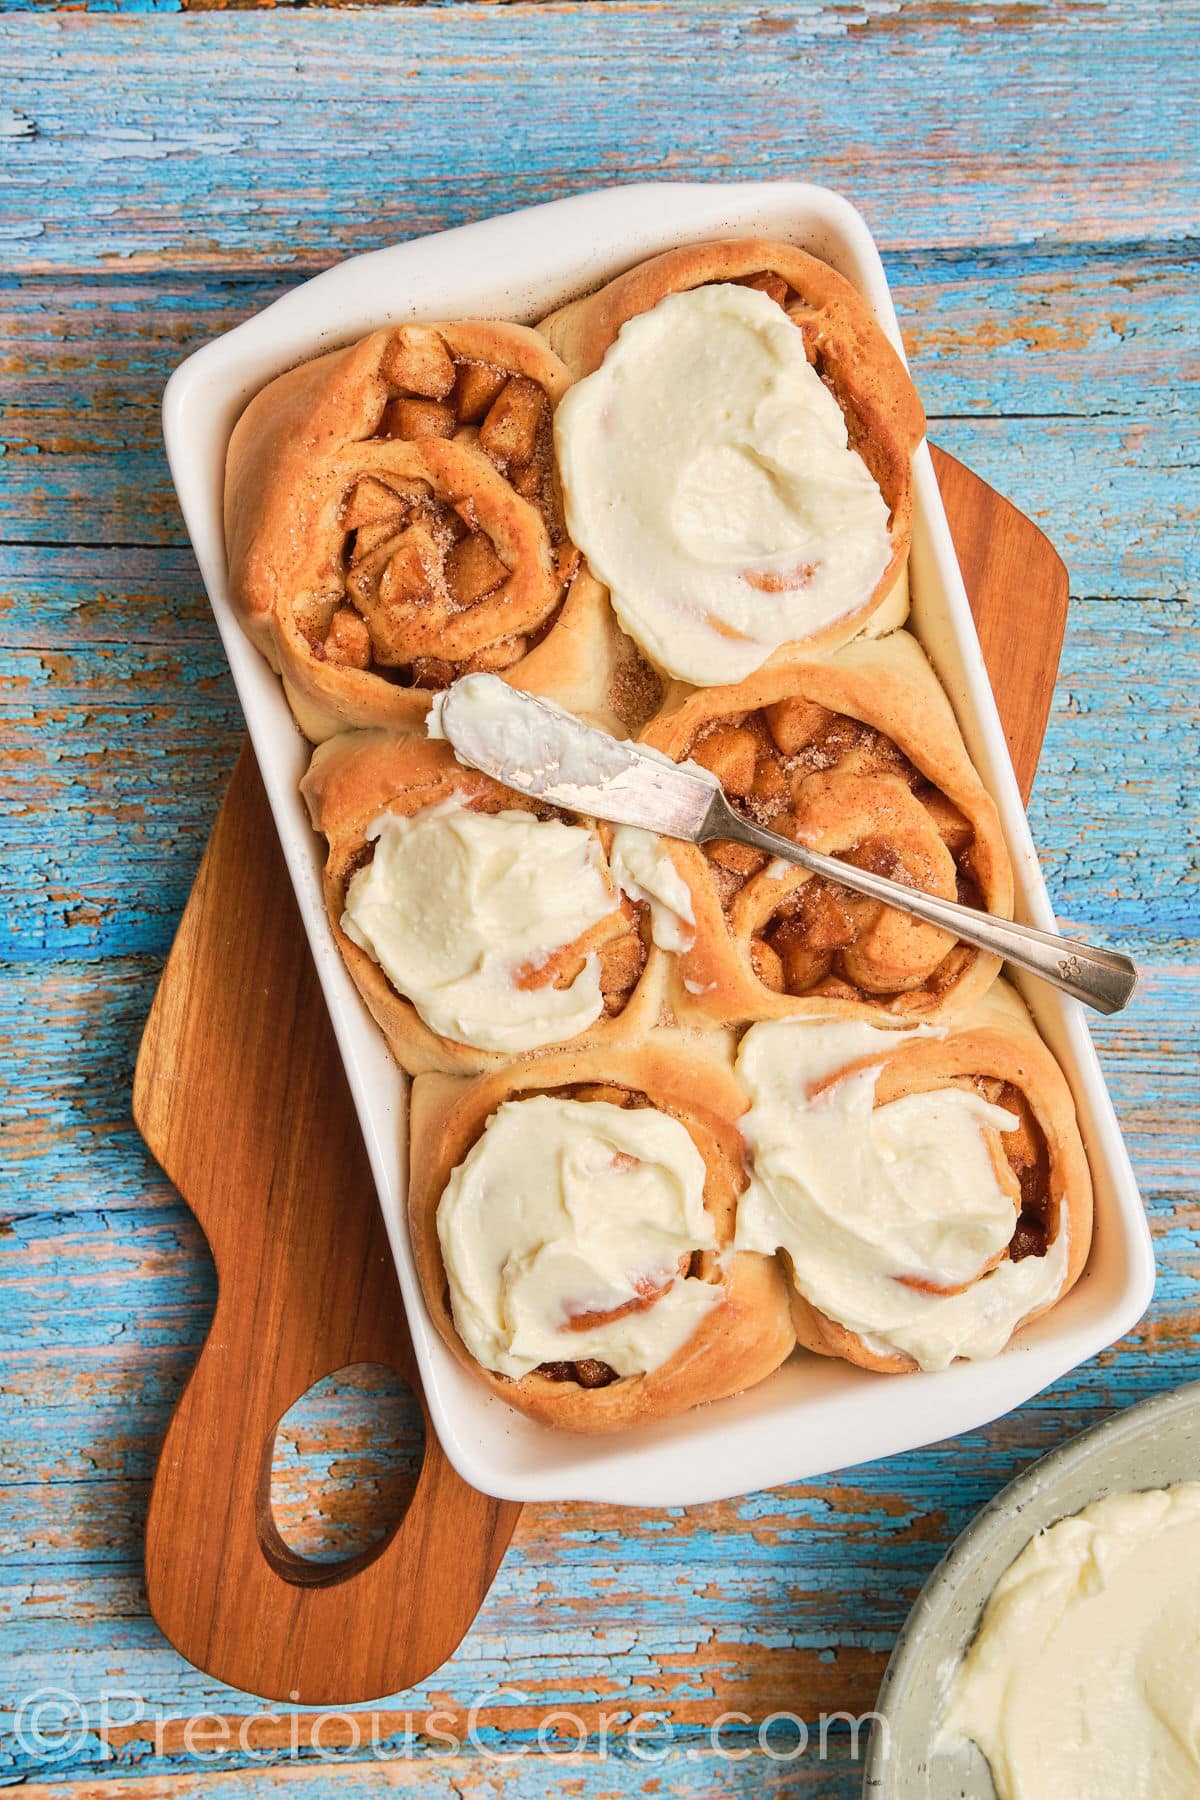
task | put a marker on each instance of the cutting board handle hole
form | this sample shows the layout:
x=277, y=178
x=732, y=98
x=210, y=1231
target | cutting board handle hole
x=339, y=1474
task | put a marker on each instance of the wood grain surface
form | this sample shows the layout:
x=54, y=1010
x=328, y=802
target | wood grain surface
x=240, y=1093
x=1030, y=171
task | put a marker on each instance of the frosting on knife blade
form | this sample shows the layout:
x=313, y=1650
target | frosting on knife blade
x=541, y=750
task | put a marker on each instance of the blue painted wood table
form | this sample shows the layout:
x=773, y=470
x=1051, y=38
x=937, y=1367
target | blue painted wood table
x=1031, y=172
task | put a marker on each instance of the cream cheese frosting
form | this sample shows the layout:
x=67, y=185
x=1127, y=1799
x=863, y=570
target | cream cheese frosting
x=866, y=1199
x=531, y=744
x=499, y=726
x=1084, y=1677
x=568, y=1209
x=461, y=908
x=709, y=482
x=539, y=745
x=643, y=869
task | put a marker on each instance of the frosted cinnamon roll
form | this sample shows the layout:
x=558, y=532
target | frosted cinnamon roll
x=928, y=1190
x=858, y=756
x=736, y=459
x=393, y=518
x=572, y=1222
x=476, y=924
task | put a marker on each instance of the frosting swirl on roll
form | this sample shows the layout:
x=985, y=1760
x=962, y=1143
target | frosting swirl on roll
x=566, y=1233
x=467, y=911
x=710, y=483
x=895, y=1218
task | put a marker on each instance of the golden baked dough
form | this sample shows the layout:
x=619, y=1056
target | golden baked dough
x=859, y=756
x=393, y=519
x=587, y=664
x=844, y=342
x=739, y=1342
x=359, y=776
x=995, y=1049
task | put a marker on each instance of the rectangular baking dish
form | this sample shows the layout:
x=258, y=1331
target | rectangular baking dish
x=813, y=1416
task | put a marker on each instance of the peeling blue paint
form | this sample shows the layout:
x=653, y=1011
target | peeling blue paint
x=1031, y=173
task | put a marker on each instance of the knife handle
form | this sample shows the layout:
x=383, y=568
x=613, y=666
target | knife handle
x=1103, y=979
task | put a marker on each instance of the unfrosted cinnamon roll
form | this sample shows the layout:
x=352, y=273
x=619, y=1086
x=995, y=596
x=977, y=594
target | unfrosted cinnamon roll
x=736, y=457
x=858, y=756
x=393, y=518
x=477, y=925
x=572, y=1224
x=928, y=1190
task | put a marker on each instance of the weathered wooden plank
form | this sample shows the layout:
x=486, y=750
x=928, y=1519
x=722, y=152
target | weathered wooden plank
x=1022, y=329
x=118, y=753
x=684, y=1775
x=73, y=598
x=83, y=844
x=76, y=1269
x=203, y=139
x=346, y=1454
x=605, y=1614
x=518, y=1773
x=597, y=1610
x=109, y=1404
x=53, y=604
x=121, y=1286
x=1092, y=345
x=1124, y=858
x=72, y=1029
x=88, y=1191
x=1037, y=329
x=1096, y=484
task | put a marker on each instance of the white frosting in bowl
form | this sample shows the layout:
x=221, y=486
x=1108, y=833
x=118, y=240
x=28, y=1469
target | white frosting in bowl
x=1084, y=1678
x=563, y=1212
x=709, y=482
x=460, y=909
x=867, y=1199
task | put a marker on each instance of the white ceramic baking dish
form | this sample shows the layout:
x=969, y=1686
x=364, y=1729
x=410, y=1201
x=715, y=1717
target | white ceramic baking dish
x=813, y=1415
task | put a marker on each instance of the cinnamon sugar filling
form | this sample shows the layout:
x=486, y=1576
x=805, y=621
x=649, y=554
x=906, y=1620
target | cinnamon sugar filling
x=426, y=594
x=796, y=766
x=426, y=591
x=1028, y=1156
x=434, y=392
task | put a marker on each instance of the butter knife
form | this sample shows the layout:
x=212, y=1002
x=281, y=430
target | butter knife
x=540, y=750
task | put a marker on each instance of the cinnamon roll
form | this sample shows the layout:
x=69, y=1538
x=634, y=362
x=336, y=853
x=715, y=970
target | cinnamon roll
x=572, y=1223
x=736, y=456
x=476, y=924
x=393, y=519
x=858, y=756
x=928, y=1190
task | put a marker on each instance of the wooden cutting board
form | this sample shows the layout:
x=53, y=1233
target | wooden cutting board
x=240, y=1095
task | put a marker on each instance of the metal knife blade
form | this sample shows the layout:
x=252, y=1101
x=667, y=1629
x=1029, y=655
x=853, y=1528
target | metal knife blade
x=547, y=753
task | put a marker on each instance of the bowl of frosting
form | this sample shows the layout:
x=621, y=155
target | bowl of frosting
x=1055, y=1650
